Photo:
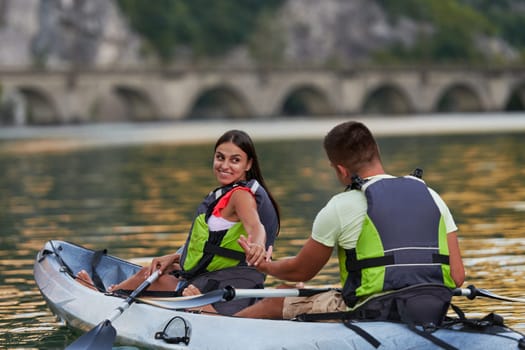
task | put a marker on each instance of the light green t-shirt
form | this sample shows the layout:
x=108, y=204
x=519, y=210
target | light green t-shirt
x=339, y=222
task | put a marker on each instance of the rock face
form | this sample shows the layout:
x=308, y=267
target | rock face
x=65, y=33
x=339, y=30
x=18, y=25
x=59, y=34
x=93, y=33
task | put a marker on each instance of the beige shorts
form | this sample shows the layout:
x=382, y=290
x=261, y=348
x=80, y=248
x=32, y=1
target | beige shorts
x=330, y=301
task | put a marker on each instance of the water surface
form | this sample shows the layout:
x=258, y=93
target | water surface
x=137, y=200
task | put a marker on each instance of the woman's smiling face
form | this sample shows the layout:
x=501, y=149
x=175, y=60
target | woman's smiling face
x=230, y=163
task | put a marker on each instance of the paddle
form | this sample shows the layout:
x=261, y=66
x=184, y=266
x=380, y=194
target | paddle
x=103, y=336
x=230, y=293
x=471, y=292
x=227, y=294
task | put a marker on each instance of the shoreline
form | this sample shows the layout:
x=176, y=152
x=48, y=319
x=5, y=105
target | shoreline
x=65, y=137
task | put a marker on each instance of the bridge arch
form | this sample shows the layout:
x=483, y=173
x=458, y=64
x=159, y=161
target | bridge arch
x=39, y=106
x=219, y=102
x=138, y=103
x=387, y=99
x=516, y=100
x=459, y=97
x=125, y=103
x=12, y=107
x=306, y=100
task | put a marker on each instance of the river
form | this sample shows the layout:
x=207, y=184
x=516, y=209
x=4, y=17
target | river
x=132, y=188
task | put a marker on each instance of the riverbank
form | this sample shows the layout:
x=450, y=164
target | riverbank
x=54, y=138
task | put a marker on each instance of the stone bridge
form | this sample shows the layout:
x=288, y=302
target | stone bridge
x=84, y=96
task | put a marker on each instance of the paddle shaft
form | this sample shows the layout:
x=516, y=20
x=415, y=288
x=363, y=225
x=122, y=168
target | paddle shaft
x=471, y=292
x=131, y=298
x=102, y=336
x=273, y=293
x=230, y=293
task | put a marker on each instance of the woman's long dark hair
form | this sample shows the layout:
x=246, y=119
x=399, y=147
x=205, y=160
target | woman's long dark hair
x=242, y=140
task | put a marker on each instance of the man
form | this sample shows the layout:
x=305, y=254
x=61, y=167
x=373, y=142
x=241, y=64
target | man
x=389, y=232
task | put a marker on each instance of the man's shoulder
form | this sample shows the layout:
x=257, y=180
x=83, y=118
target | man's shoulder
x=347, y=199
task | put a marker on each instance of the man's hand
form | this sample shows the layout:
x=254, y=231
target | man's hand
x=255, y=252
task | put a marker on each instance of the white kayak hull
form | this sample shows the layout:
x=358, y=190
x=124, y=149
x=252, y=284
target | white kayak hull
x=83, y=308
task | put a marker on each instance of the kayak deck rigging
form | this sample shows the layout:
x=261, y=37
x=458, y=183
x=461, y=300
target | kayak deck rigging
x=146, y=324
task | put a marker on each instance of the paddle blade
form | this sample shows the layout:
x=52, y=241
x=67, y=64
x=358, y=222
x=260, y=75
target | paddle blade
x=487, y=294
x=182, y=303
x=101, y=337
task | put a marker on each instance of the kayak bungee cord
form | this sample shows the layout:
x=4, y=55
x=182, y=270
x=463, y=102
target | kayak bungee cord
x=57, y=284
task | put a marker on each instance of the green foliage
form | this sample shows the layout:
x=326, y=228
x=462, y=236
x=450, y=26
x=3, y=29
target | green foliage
x=267, y=43
x=454, y=27
x=512, y=27
x=206, y=27
x=507, y=16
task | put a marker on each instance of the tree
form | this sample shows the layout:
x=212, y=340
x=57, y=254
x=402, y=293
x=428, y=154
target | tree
x=206, y=28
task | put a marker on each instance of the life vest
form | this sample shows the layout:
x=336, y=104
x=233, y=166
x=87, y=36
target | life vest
x=403, y=241
x=207, y=250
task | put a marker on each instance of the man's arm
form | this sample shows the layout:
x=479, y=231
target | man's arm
x=457, y=270
x=302, y=267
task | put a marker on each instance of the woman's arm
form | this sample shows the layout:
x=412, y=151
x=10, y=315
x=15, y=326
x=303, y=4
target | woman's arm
x=242, y=205
x=164, y=263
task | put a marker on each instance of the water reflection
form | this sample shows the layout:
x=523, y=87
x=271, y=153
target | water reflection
x=138, y=201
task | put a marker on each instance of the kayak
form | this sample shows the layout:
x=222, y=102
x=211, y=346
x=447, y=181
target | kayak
x=142, y=324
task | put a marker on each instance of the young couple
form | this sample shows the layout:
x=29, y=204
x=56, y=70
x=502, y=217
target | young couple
x=389, y=232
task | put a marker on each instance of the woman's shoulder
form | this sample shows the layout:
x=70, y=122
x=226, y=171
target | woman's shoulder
x=241, y=193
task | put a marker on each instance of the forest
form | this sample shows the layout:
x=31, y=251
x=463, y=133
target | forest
x=207, y=29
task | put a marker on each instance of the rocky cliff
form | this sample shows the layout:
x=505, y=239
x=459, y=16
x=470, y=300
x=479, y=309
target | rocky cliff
x=64, y=33
x=94, y=33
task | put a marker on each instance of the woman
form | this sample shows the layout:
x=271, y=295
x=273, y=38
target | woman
x=212, y=257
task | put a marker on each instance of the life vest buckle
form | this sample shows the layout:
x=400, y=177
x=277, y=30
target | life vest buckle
x=357, y=182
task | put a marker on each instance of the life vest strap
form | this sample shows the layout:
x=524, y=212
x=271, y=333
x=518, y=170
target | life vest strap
x=226, y=252
x=357, y=265
x=440, y=259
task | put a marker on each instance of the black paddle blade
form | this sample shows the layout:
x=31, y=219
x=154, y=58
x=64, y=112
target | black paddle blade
x=488, y=294
x=101, y=337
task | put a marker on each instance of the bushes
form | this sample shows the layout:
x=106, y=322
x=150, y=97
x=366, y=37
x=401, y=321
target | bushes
x=205, y=28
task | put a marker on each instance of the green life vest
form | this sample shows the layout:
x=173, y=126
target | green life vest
x=403, y=241
x=207, y=250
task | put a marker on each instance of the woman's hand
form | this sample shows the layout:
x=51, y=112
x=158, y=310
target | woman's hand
x=255, y=252
x=164, y=263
